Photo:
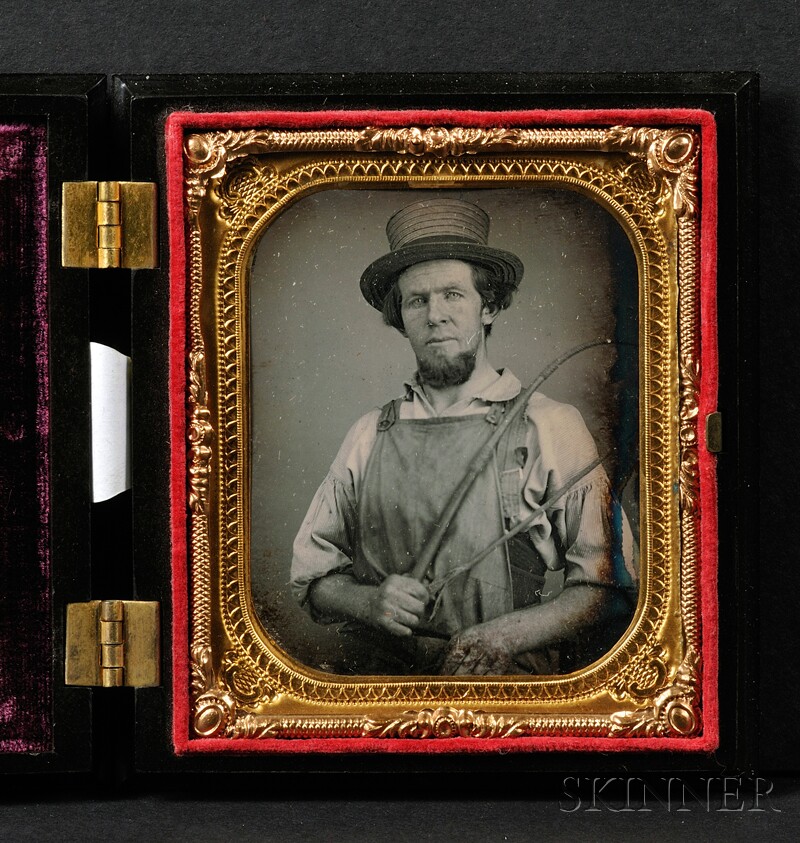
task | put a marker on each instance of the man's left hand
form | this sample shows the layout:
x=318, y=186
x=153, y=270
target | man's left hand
x=477, y=651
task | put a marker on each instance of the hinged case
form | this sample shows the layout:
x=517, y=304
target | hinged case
x=241, y=145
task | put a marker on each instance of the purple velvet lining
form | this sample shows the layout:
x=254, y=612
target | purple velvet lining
x=26, y=682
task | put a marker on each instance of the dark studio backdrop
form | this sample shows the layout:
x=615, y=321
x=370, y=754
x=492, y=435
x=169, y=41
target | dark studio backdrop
x=156, y=36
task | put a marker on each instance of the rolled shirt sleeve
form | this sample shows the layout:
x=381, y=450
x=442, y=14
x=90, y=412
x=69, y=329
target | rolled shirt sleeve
x=325, y=542
x=585, y=532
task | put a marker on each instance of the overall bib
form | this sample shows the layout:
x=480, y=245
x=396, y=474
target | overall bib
x=413, y=470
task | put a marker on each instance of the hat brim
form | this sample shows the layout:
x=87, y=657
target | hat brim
x=379, y=277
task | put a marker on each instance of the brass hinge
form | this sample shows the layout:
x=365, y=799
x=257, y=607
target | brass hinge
x=113, y=643
x=108, y=224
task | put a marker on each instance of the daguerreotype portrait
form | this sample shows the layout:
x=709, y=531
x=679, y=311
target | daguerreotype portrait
x=405, y=552
x=443, y=469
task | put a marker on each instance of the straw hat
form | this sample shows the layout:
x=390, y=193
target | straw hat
x=438, y=229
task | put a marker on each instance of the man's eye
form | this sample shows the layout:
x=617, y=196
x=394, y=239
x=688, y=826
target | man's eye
x=453, y=294
x=417, y=302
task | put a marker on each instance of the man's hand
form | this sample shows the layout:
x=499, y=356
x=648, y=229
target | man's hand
x=395, y=606
x=488, y=648
x=398, y=604
x=477, y=651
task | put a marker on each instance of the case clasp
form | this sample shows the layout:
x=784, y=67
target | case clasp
x=714, y=432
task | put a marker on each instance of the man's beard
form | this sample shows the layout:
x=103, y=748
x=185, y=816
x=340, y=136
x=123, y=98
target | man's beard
x=437, y=371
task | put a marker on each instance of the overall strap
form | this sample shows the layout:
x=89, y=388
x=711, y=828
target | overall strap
x=526, y=566
x=512, y=450
x=509, y=448
x=496, y=412
x=390, y=413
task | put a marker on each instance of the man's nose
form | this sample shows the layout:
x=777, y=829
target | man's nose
x=437, y=310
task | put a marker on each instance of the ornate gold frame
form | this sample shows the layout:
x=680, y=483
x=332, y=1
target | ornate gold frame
x=236, y=182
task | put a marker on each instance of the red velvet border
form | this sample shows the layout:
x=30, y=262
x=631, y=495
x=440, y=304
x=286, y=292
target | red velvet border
x=180, y=122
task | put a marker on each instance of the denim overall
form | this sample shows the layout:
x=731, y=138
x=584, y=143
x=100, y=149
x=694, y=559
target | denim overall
x=412, y=472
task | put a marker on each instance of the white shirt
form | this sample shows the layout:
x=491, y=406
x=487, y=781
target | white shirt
x=585, y=532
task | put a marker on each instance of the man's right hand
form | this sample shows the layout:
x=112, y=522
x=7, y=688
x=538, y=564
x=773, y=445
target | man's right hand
x=398, y=604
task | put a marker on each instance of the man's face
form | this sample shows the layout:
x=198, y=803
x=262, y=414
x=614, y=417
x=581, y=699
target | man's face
x=443, y=318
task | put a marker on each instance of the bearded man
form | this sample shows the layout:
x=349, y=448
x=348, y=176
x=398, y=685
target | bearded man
x=414, y=540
